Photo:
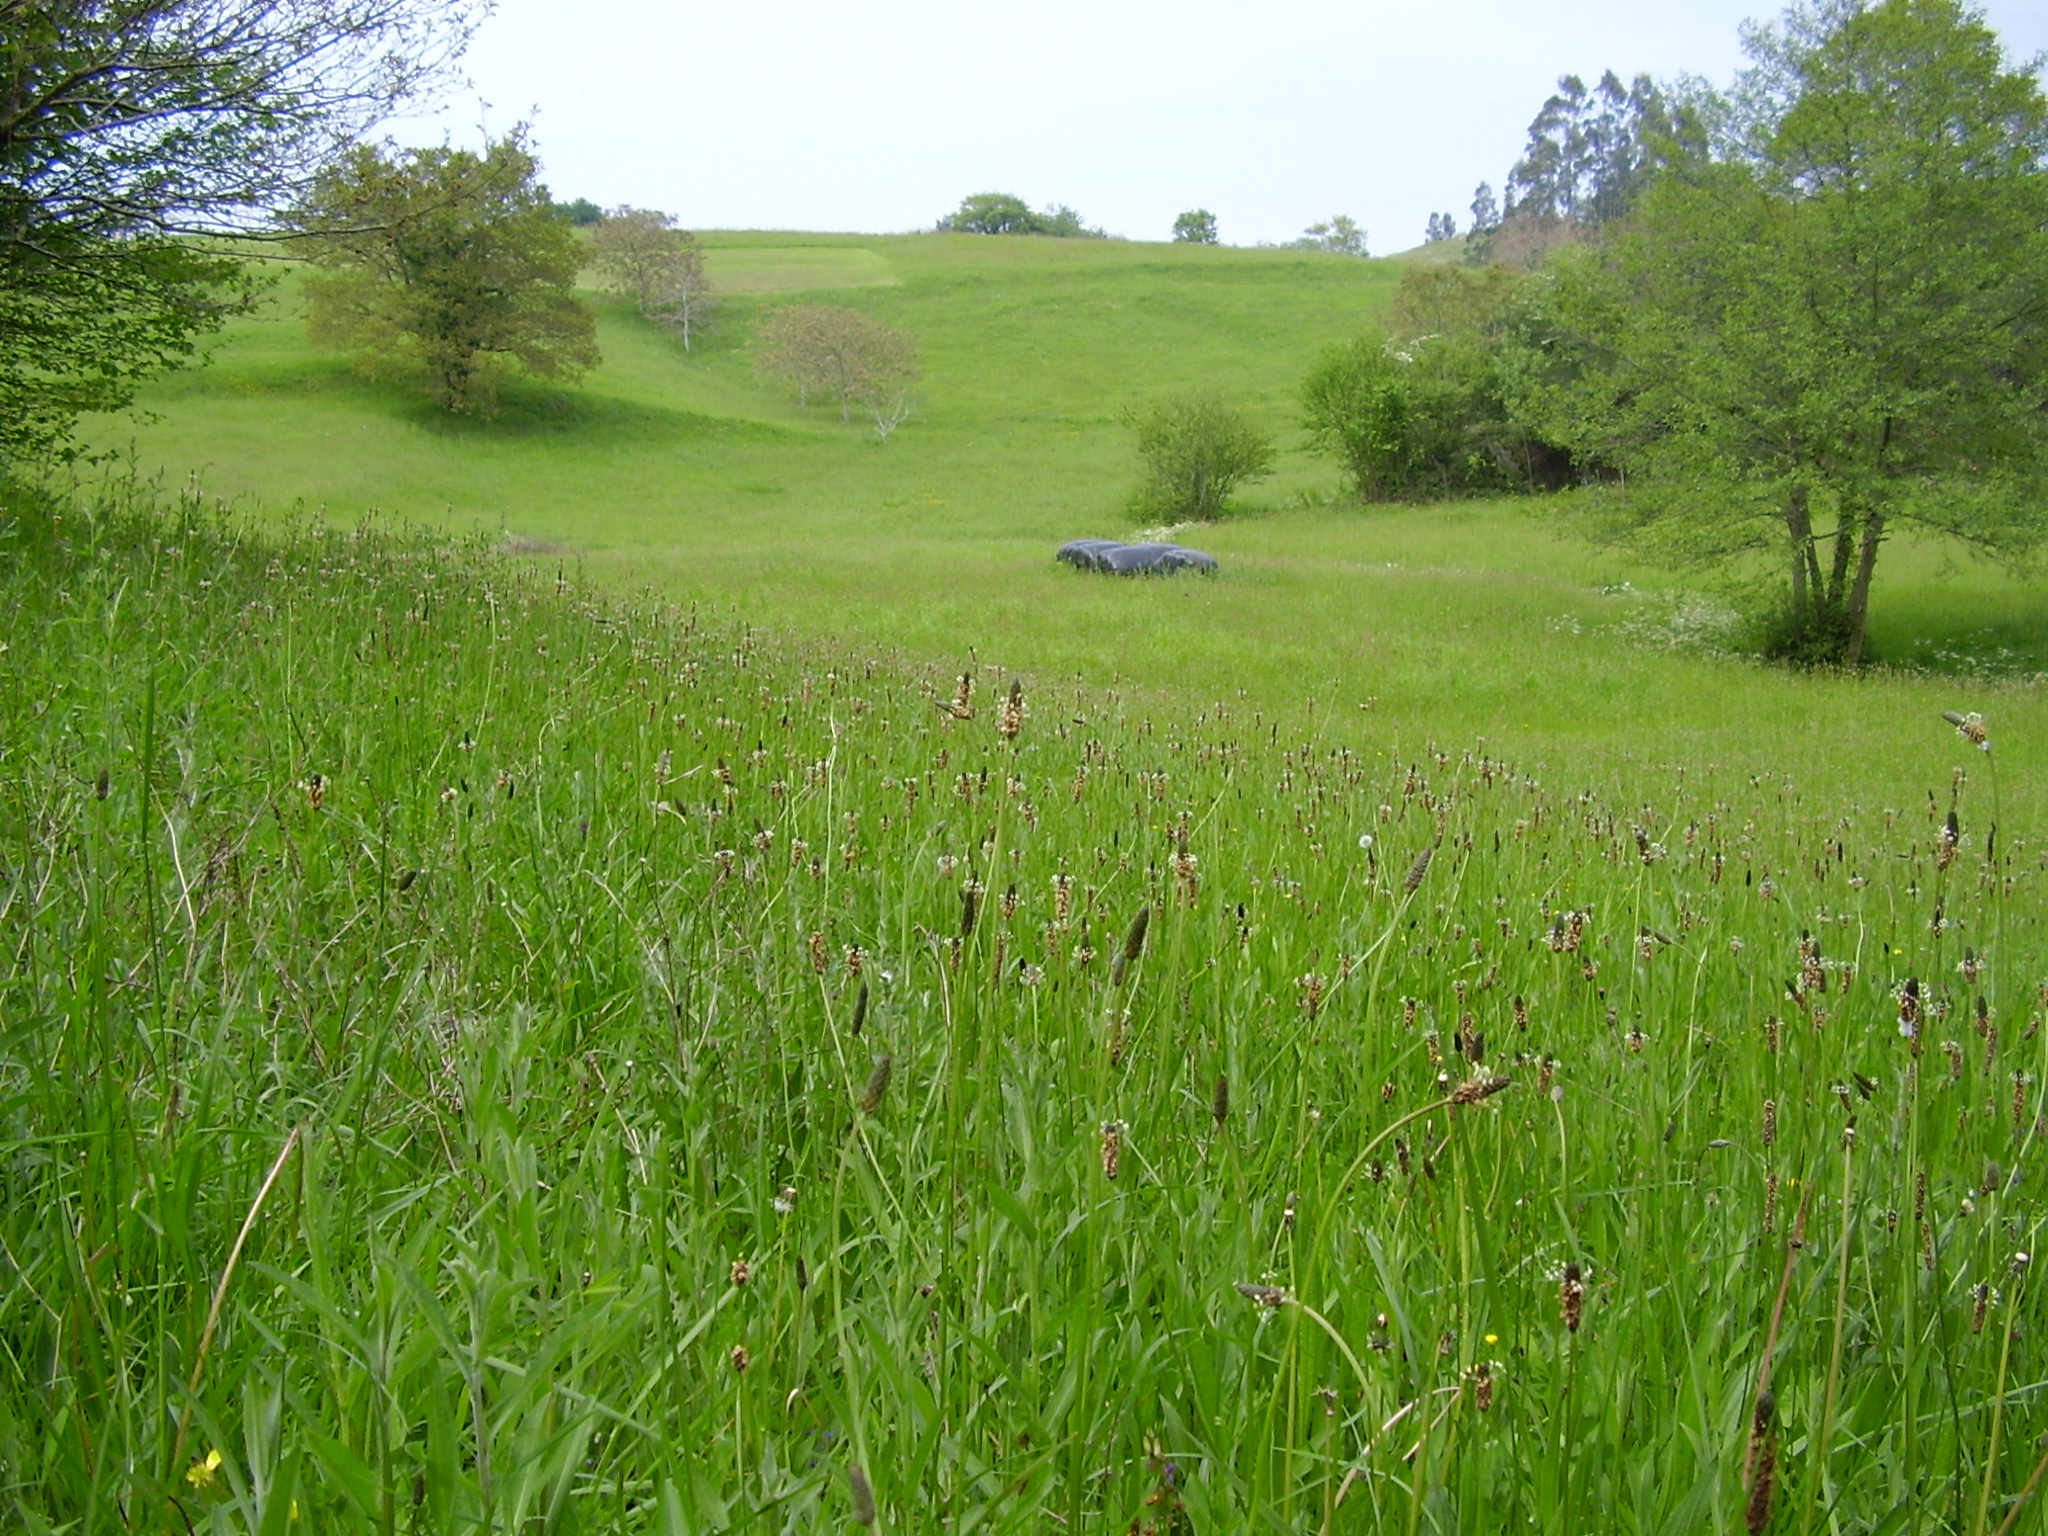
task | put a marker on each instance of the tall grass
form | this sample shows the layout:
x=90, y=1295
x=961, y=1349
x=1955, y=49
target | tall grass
x=478, y=1056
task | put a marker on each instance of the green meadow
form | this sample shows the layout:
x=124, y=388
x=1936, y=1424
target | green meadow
x=654, y=965
x=685, y=475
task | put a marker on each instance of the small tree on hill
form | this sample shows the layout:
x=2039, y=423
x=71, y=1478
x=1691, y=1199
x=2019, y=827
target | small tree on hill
x=1195, y=227
x=1195, y=450
x=447, y=263
x=828, y=349
x=990, y=213
x=1341, y=236
x=641, y=253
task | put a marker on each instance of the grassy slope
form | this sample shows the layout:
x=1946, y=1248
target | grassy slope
x=682, y=473
x=547, y=950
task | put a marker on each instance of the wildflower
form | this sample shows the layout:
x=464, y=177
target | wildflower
x=200, y=1473
x=1012, y=720
x=1264, y=1295
x=785, y=1200
x=740, y=1359
x=1112, y=1148
x=1571, y=1298
x=1970, y=727
x=742, y=1272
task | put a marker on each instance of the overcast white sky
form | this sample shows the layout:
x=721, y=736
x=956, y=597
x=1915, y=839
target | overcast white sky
x=879, y=117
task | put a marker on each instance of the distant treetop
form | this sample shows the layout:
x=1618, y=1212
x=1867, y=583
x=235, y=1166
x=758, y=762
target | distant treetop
x=579, y=212
x=999, y=213
x=1195, y=227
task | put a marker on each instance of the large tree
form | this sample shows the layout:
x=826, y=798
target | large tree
x=128, y=128
x=446, y=264
x=1833, y=326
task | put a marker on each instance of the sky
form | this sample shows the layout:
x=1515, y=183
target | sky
x=880, y=117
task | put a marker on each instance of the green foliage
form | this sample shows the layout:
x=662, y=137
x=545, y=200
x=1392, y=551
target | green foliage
x=999, y=213
x=1832, y=328
x=1340, y=236
x=1195, y=227
x=1194, y=450
x=581, y=212
x=478, y=986
x=1359, y=405
x=446, y=265
x=126, y=130
x=990, y=213
x=89, y=319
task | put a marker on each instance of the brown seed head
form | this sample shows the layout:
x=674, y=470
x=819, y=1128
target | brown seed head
x=1219, y=1106
x=1412, y=882
x=742, y=1272
x=878, y=1084
x=1571, y=1298
x=863, y=1496
x=1473, y=1089
x=1112, y=1148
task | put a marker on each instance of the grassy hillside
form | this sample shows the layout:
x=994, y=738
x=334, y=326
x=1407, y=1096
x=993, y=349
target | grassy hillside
x=683, y=474
x=475, y=1055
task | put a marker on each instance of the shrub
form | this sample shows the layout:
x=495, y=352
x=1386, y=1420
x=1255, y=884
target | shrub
x=1194, y=451
x=1359, y=403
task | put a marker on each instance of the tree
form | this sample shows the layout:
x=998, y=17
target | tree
x=447, y=264
x=1341, y=236
x=581, y=212
x=990, y=213
x=1441, y=227
x=828, y=349
x=1195, y=227
x=998, y=213
x=641, y=253
x=1831, y=327
x=1195, y=450
x=126, y=129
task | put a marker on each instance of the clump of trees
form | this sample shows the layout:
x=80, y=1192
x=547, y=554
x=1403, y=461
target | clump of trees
x=1424, y=407
x=1193, y=451
x=1780, y=323
x=446, y=266
x=1828, y=324
x=640, y=253
x=1001, y=213
x=1195, y=227
x=1441, y=227
x=834, y=352
x=129, y=134
x=1591, y=152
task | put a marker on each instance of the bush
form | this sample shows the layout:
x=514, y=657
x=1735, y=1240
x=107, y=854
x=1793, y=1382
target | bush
x=1195, y=450
x=1359, y=403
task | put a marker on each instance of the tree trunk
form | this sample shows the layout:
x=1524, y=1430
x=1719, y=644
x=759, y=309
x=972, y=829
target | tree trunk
x=1799, y=524
x=1859, y=595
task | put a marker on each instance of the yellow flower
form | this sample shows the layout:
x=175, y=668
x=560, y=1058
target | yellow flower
x=200, y=1473
x=1493, y=1338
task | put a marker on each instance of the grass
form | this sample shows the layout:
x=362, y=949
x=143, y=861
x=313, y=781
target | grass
x=483, y=1055
x=681, y=475
x=607, y=1038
